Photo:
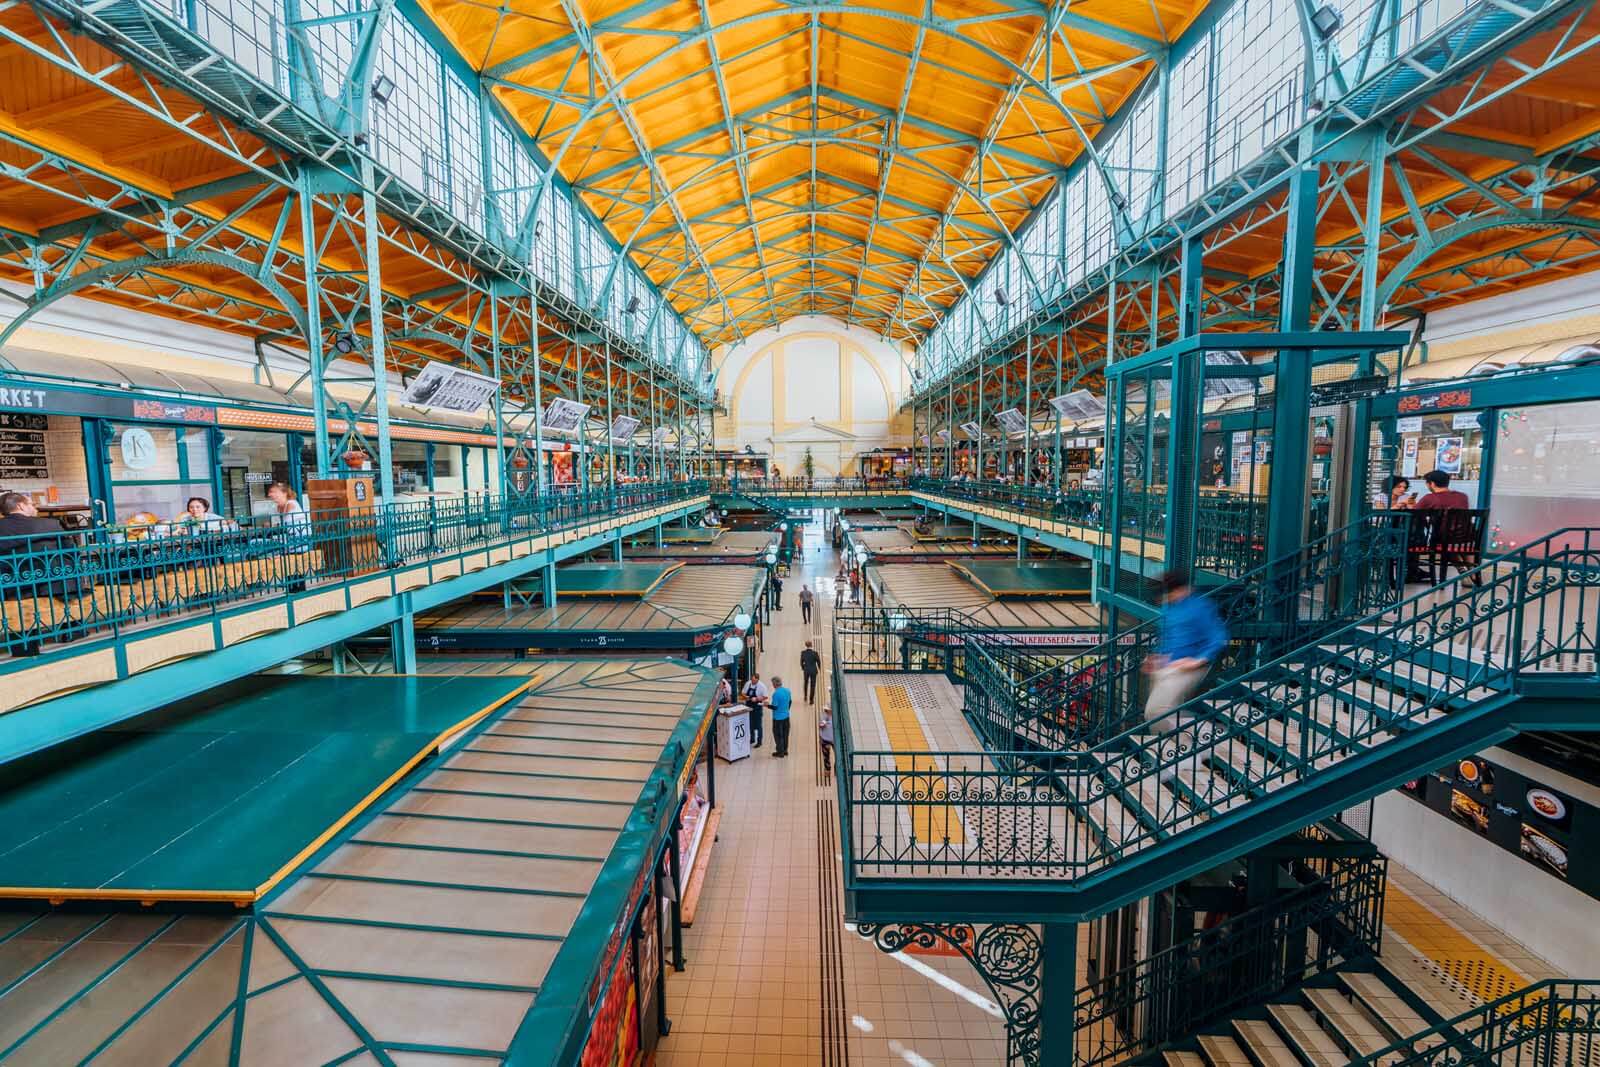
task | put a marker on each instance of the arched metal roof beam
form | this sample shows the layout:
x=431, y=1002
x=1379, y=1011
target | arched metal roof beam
x=614, y=96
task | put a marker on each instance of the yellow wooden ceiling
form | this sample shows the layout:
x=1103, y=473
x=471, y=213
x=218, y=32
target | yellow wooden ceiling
x=761, y=159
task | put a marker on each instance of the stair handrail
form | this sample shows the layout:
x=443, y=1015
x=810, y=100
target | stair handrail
x=1541, y=1015
x=1105, y=677
x=1106, y=789
x=1206, y=726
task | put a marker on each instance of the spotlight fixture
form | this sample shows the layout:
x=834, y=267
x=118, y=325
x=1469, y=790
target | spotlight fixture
x=1001, y=298
x=383, y=88
x=344, y=343
x=1119, y=201
x=1327, y=20
x=632, y=306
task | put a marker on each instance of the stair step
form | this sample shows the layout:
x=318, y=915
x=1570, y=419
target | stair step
x=1265, y=1045
x=1312, y=1041
x=1347, y=1020
x=1387, y=1006
x=1183, y=1059
x=1224, y=1052
x=1246, y=766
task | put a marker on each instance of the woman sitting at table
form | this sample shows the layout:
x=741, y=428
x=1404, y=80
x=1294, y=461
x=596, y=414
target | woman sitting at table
x=290, y=512
x=1396, y=495
x=198, y=517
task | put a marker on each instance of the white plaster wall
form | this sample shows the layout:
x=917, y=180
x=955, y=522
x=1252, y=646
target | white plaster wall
x=1555, y=921
x=1459, y=336
x=814, y=381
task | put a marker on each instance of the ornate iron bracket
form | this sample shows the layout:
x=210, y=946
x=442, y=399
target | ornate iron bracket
x=1009, y=957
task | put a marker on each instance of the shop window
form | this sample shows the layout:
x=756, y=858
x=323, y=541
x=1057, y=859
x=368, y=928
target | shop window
x=1452, y=443
x=156, y=469
x=251, y=460
x=1546, y=472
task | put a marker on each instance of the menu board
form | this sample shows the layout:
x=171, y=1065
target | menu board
x=1543, y=825
x=22, y=447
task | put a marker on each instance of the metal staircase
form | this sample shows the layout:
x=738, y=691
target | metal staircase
x=1061, y=702
x=1360, y=1017
x=1072, y=833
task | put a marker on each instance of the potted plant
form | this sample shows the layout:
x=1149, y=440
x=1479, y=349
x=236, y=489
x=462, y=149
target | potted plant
x=355, y=459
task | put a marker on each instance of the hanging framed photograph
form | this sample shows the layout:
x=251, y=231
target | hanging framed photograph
x=440, y=385
x=622, y=428
x=564, y=416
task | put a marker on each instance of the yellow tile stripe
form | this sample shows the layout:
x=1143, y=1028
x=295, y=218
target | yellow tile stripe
x=1463, y=959
x=932, y=823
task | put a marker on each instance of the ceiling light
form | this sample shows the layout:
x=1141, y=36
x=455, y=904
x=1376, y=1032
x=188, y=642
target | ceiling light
x=383, y=88
x=1001, y=298
x=632, y=305
x=344, y=343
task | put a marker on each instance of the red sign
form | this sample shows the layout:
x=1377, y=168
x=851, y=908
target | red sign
x=1442, y=401
x=167, y=412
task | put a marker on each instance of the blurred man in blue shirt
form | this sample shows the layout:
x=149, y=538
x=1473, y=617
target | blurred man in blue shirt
x=781, y=699
x=1192, y=636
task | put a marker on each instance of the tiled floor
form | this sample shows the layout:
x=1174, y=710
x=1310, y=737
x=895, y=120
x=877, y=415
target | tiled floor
x=753, y=991
x=1452, y=958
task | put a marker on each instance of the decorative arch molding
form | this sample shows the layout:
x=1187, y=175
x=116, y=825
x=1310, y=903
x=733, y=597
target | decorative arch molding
x=847, y=346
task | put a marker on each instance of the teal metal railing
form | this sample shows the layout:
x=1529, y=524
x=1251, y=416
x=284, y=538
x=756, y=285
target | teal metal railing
x=1242, y=961
x=1461, y=647
x=1344, y=575
x=1553, y=1023
x=65, y=587
x=1230, y=532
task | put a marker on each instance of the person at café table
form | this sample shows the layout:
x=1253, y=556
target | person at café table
x=290, y=512
x=198, y=516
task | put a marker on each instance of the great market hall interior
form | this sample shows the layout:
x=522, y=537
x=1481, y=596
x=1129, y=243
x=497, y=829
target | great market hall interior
x=799, y=533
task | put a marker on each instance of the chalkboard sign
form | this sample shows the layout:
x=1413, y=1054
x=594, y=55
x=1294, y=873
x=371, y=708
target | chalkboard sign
x=22, y=451
x=10, y=420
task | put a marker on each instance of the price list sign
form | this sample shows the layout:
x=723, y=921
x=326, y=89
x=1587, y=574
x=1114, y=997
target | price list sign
x=22, y=449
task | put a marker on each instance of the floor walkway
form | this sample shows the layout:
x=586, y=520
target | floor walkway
x=768, y=981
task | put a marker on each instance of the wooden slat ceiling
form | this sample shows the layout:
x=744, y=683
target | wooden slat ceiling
x=759, y=162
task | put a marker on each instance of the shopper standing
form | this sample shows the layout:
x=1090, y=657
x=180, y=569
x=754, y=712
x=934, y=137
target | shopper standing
x=806, y=598
x=810, y=666
x=755, y=698
x=855, y=586
x=841, y=583
x=781, y=699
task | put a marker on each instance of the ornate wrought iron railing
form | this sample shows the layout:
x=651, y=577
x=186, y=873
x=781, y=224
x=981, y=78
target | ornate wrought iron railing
x=1334, y=918
x=68, y=586
x=1291, y=721
x=1345, y=575
x=1554, y=1023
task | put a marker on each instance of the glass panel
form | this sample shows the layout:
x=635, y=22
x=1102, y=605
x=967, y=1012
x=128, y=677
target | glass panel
x=144, y=453
x=251, y=461
x=1546, y=472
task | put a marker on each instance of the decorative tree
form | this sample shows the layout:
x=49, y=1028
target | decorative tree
x=809, y=465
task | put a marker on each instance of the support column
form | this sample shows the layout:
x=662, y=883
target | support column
x=403, y=641
x=549, y=585
x=1058, y=988
x=315, y=355
x=1291, y=412
x=380, y=363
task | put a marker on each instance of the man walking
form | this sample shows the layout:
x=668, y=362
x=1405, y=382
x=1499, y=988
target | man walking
x=781, y=699
x=755, y=698
x=805, y=603
x=1192, y=636
x=810, y=665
